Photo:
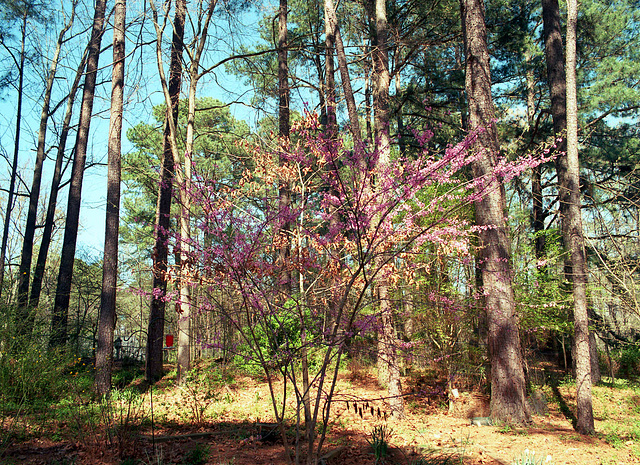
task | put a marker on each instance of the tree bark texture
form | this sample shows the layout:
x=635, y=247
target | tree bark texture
x=283, y=233
x=367, y=99
x=330, y=84
x=574, y=237
x=155, y=332
x=557, y=81
x=107, y=316
x=538, y=212
x=508, y=401
x=402, y=146
x=283, y=71
x=61, y=307
x=388, y=363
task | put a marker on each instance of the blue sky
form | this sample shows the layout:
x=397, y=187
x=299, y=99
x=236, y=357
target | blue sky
x=142, y=93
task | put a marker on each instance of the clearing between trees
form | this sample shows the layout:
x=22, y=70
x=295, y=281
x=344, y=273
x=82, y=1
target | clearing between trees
x=221, y=417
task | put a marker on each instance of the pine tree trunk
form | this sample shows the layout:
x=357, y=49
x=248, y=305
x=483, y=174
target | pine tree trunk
x=402, y=146
x=283, y=231
x=59, y=318
x=558, y=89
x=107, y=316
x=387, y=348
x=507, y=369
x=155, y=331
x=330, y=84
x=574, y=238
x=538, y=214
x=336, y=39
x=596, y=375
x=367, y=99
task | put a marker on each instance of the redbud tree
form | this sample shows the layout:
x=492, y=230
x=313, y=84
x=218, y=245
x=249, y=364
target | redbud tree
x=354, y=222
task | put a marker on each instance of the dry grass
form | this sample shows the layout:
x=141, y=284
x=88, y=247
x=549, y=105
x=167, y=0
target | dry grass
x=232, y=414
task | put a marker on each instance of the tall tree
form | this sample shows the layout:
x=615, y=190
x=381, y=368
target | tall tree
x=573, y=236
x=47, y=233
x=23, y=12
x=334, y=37
x=155, y=332
x=184, y=180
x=558, y=91
x=388, y=361
x=107, y=316
x=61, y=307
x=284, y=125
x=508, y=401
x=24, y=318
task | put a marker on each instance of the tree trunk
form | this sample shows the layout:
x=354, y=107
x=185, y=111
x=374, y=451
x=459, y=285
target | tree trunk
x=61, y=307
x=596, y=375
x=283, y=232
x=538, y=215
x=38, y=274
x=283, y=71
x=367, y=96
x=24, y=318
x=574, y=237
x=184, y=313
x=402, y=146
x=107, y=316
x=388, y=363
x=507, y=371
x=16, y=150
x=330, y=85
x=155, y=332
x=538, y=212
x=558, y=90
x=322, y=103
x=186, y=270
x=555, y=70
x=333, y=30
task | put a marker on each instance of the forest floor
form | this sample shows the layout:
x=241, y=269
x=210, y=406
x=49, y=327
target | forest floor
x=197, y=424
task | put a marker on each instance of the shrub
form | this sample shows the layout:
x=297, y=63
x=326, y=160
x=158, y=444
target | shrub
x=201, y=388
x=629, y=362
x=30, y=377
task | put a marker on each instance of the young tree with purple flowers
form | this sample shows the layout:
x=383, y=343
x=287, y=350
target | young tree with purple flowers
x=347, y=237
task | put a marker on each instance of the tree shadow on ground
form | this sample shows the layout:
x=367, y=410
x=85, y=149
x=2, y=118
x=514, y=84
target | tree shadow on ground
x=562, y=403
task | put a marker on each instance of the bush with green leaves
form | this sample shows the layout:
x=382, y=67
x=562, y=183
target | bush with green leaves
x=31, y=377
x=276, y=338
x=629, y=362
x=201, y=388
